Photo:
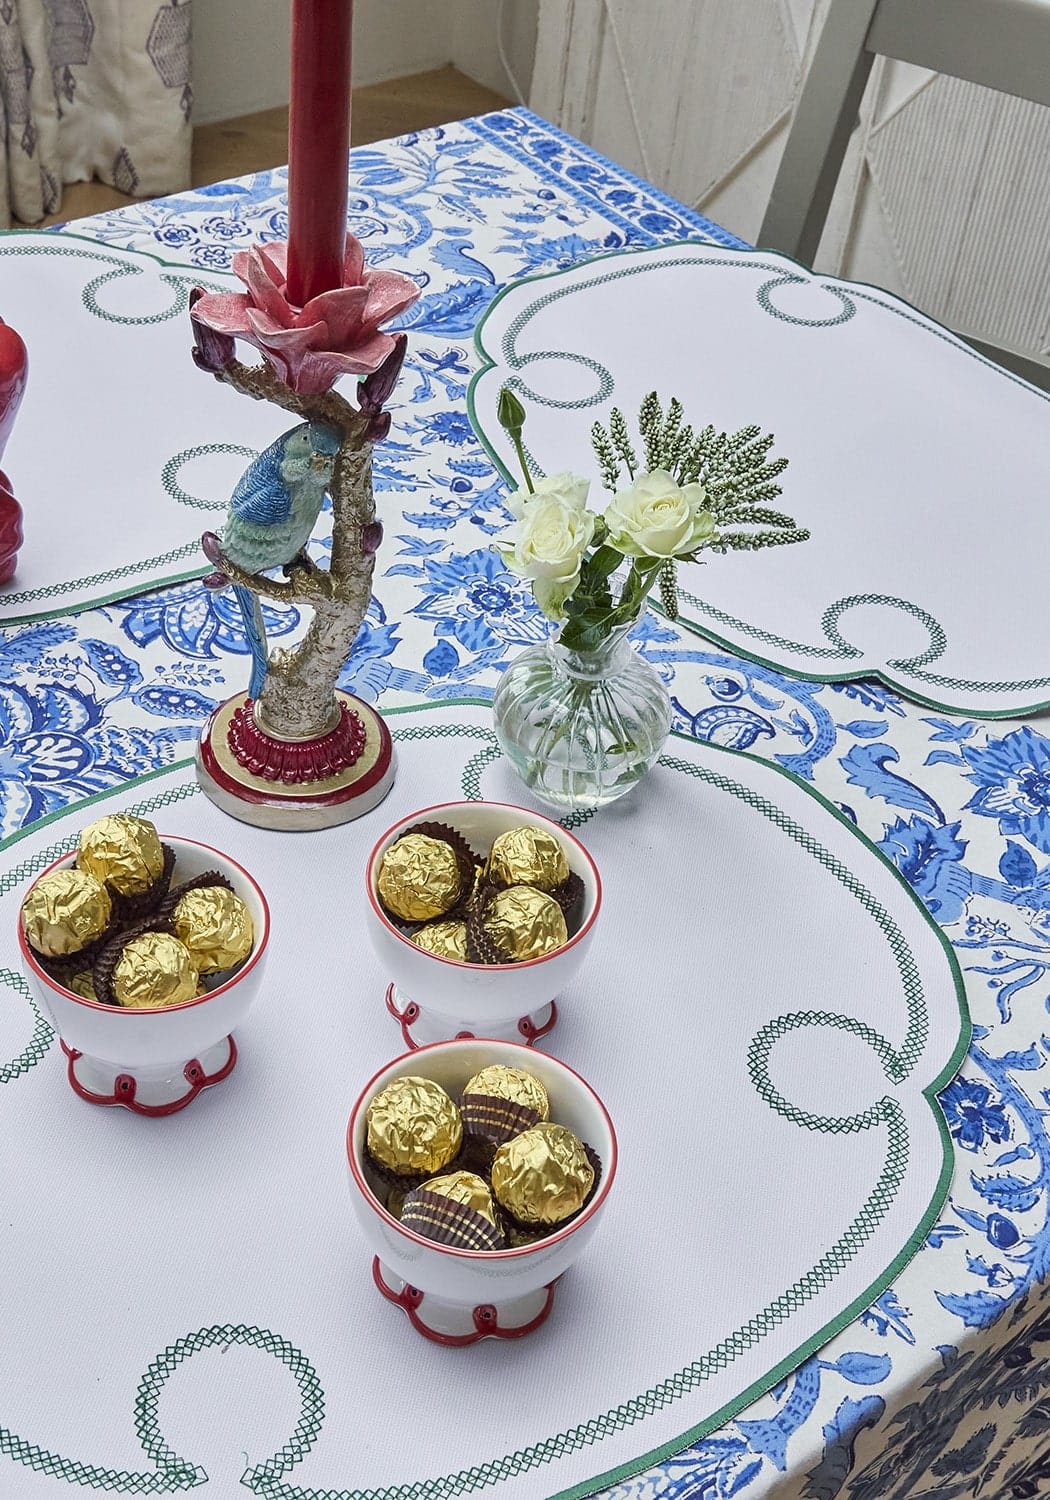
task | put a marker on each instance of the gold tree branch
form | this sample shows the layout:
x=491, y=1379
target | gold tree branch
x=305, y=584
x=263, y=384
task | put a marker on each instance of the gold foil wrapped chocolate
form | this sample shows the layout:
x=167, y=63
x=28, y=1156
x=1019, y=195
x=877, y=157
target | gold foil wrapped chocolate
x=528, y=856
x=122, y=851
x=454, y=1210
x=419, y=878
x=523, y=922
x=413, y=1127
x=64, y=912
x=466, y=1188
x=517, y=1237
x=513, y=1084
x=82, y=984
x=216, y=927
x=444, y=939
x=542, y=1176
x=154, y=970
x=395, y=1198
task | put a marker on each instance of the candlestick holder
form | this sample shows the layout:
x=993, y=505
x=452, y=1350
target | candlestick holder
x=293, y=752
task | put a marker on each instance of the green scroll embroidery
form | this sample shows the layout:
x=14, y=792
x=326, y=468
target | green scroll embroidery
x=261, y=1477
x=42, y=1035
x=169, y=475
x=268, y=1479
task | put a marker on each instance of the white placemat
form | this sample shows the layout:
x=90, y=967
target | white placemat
x=192, y=1293
x=123, y=452
x=917, y=464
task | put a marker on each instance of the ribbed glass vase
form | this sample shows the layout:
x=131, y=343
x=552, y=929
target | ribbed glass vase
x=582, y=727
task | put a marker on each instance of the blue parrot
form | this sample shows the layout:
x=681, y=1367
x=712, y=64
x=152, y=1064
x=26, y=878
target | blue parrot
x=272, y=514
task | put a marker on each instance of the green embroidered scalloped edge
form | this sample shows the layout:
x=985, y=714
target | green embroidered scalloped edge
x=175, y=1473
x=899, y=674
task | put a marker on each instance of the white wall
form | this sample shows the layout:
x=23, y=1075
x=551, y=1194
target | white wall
x=240, y=47
x=943, y=194
x=474, y=43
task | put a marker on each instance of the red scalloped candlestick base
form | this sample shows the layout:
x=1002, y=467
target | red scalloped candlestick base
x=295, y=761
x=295, y=784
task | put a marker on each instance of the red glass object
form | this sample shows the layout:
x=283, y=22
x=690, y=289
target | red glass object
x=318, y=146
x=13, y=369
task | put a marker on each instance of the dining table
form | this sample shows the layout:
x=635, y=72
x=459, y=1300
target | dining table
x=934, y=1386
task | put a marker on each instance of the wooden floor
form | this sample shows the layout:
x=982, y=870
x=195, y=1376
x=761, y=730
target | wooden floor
x=255, y=142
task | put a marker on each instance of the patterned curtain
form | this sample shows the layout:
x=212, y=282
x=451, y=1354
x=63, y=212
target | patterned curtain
x=92, y=88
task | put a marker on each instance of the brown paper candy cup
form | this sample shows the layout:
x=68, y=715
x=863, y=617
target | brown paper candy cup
x=480, y=947
x=438, y=1218
x=518, y=1235
x=84, y=958
x=475, y=1155
x=488, y=1118
x=596, y=1167
x=388, y=1178
x=569, y=897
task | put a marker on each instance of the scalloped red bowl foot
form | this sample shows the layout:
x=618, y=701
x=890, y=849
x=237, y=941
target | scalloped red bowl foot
x=455, y=1325
x=149, y=1091
x=419, y=1027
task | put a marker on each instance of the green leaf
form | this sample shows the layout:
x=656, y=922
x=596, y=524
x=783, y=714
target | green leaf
x=601, y=563
x=509, y=411
x=587, y=631
x=636, y=588
x=584, y=598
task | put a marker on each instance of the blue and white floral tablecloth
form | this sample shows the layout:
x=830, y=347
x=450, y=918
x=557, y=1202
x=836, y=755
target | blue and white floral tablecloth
x=942, y=1388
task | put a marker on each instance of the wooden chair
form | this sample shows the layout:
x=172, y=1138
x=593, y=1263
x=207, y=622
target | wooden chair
x=1002, y=44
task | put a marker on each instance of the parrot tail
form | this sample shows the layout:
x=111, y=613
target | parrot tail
x=255, y=630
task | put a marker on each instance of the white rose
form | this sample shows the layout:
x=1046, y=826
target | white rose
x=655, y=517
x=568, y=487
x=549, y=540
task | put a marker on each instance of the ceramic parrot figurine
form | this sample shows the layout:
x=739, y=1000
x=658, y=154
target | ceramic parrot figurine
x=272, y=514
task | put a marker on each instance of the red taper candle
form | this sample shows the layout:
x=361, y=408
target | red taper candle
x=318, y=146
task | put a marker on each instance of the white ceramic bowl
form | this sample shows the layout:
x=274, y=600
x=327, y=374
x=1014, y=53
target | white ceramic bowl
x=156, y=1061
x=459, y=1296
x=438, y=998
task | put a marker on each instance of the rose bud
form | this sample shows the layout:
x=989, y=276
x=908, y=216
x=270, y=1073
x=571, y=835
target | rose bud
x=374, y=391
x=211, y=351
x=371, y=537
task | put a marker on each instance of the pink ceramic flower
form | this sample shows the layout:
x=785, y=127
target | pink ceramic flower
x=336, y=333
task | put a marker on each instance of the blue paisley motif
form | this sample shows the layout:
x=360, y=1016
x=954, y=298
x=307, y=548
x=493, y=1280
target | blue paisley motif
x=54, y=750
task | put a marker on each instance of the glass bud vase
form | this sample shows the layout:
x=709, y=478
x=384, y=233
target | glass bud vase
x=582, y=727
